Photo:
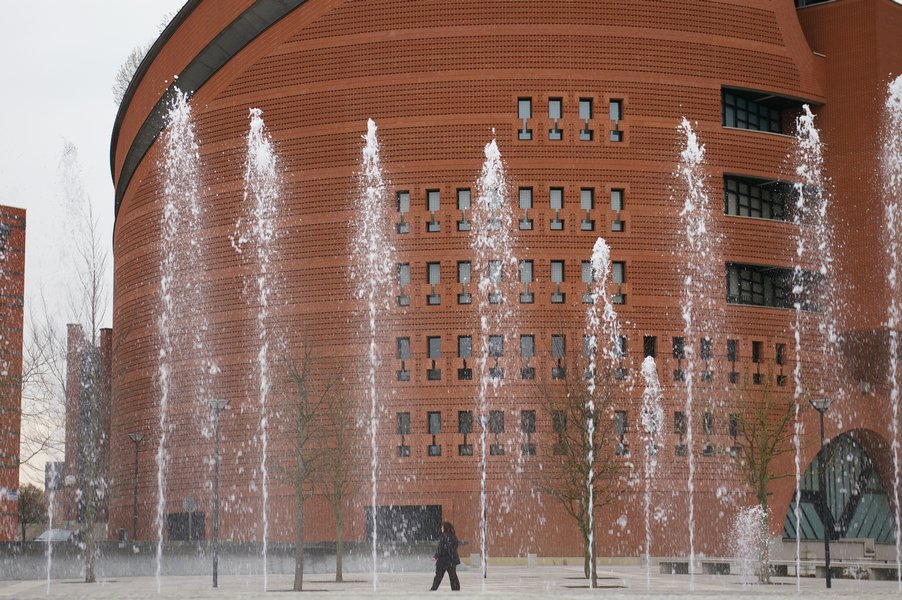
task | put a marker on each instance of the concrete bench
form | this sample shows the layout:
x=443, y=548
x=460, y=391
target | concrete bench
x=715, y=567
x=674, y=567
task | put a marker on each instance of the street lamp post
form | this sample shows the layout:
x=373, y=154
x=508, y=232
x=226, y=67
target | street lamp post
x=218, y=406
x=821, y=405
x=136, y=437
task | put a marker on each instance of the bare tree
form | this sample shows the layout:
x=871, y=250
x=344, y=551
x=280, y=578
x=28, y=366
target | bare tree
x=341, y=463
x=566, y=475
x=761, y=424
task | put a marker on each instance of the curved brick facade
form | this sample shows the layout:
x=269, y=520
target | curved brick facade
x=437, y=78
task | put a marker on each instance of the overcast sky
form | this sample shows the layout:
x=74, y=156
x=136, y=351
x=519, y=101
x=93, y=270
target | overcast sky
x=58, y=61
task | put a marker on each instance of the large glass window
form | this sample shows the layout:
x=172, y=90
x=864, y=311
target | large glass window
x=750, y=197
x=751, y=111
x=761, y=286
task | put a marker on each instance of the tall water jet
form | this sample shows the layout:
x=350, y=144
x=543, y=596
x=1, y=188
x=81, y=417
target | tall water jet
x=812, y=291
x=262, y=192
x=182, y=324
x=652, y=417
x=606, y=326
x=375, y=254
x=701, y=275
x=891, y=177
x=492, y=241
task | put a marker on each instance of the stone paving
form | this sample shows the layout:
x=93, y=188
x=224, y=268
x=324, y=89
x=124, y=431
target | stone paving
x=504, y=582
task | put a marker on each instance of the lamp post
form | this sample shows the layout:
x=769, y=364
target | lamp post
x=136, y=437
x=218, y=406
x=821, y=405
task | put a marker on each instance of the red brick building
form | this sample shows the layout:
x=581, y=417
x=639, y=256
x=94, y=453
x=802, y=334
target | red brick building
x=584, y=99
x=12, y=289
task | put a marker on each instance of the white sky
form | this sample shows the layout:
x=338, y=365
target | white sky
x=58, y=60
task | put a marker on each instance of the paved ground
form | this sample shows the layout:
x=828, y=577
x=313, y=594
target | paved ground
x=514, y=583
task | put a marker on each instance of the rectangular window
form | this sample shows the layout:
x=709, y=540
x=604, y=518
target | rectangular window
x=495, y=271
x=558, y=346
x=403, y=274
x=559, y=421
x=434, y=421
x=463, y=199
x=585, y=109
x=708, y=422
x=624, y=346
x=759, y=198
x=617, y=200
x=679, y=422
x=496, y=421
x=403, y=202
x=524, y=108
x=463, y=271
x=649, y=346
x=678, y=352
x=402, y=345
x=618, y=272
x=759, y=286
x=528, y=421
x=434, y=273
x=756, y=351
x=590, y=345
x=615, y=110
x=707, y=349
x=433, y=200
x=435, y=347
x=620, y=422
x=557, y=271
x=464, y=421
x=780, y=354
x=732, y=355
x=555, y=109
x=496, y=346
x=747, y=110
x=527, y=346
x=526, y=271
x=734, y=425
x=556, y=198
x=464, y=346
x=526, y=198
x=403, y=423
x=587, y=198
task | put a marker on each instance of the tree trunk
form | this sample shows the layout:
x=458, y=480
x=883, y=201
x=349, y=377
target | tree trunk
x=88, y=532
x=299, y=539
x=763, y=548
x=339, y=541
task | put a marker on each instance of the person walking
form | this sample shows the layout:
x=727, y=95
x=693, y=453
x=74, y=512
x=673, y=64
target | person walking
x=446, y=558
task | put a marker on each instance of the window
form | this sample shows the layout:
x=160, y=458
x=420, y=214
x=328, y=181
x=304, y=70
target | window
x=403, y=348
x=433, y=202
x=403, y=423
x=524, y=113
x=732, y=355
x=463, y=272
x=618, y=272
x=586, y=272
x=649, y=346
x=463, y=200
x=434, y=345
x=615, y=111
x=557, y=271
x=555, y=113
x=495, y=271
x=747, y=110
x=464, y=346
x=617, y=200
x=496, y=421
x=403, y=202
x=528, y=421
x=679, y=422
x=590, y=345
x=526, y=198
x=403, y=274
x=734, y=425
x=556, y=198
x=749, y=197
x=678, y=352
x=558, y=346
x=585, y=114
x=526, y=271
x=707, y=351
x=464, y=421
x=759, y=286
x=620, y=423
x=708, y=422
x=756, y=351
x=496, y=346
x=780, y=354
x=434, y=273
x=527, y=346
x=434, y=422
x=587, y=199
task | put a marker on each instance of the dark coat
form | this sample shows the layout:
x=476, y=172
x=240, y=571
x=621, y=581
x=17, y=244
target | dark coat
x=446, y=554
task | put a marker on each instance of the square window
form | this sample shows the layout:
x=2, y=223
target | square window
x=463, y=199
x=528, y=421
x=404, y=274
x=434, y=421
x=587, y=199
x=616, y=135
x=558, y=346
x=434, y=450
x=585, y=109
x=403, y=450
x=464, y=346
x=435, y=347
x=434, y=273
x=463, y=271
x=556, y=198
x=496, y=346
x=403, y=423
x=465, y=421
x=557, y=271
x=678, y=350
x=618, y=272
x=525, y=198
x=403, y=202
x=527, y=346
x=496, y=421
x=649, y=346
x=615, y=110
x=524, y=108
x=465, y=449
x=402, y=345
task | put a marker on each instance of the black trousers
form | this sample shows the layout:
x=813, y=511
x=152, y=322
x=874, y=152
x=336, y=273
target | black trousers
x=440, y=574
